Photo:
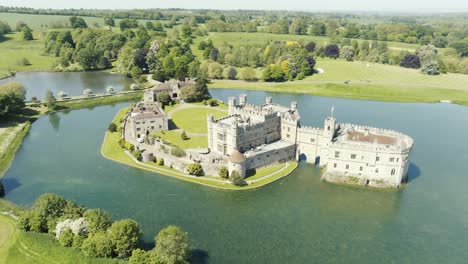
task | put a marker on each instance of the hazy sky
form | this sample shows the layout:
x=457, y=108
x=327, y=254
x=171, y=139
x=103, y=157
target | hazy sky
x=308, y=5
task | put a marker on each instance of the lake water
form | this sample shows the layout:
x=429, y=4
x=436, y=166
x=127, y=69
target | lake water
x=298, y=219
x=73, y=83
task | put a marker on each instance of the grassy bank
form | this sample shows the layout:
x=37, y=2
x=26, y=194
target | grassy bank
x=11, y=149
x=90, y=102
x=362, y=91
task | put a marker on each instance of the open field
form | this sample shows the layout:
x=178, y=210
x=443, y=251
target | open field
x=43, y=21
x=194, y=120
x=13, y=49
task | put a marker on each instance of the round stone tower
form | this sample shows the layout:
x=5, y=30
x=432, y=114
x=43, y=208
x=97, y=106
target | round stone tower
x=237, y=162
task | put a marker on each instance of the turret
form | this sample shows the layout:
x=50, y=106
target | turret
x=293, y=106
x=268, y=100
x=329, y=128
x=242, y=99
x=231, y=105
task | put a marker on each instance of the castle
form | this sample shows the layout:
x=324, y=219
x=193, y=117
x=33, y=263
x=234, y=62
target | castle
x=252, y=136
x=255, y=136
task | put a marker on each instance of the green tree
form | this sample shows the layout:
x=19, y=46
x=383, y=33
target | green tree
x=140, y=256
x=172, y=246
x=98, y=220
x=125, y=236
x=236, y=179
x=332, y=51
x=99, y=245
x=112, y=127
x=12, y=95
x=88, y=58
x=77, y=22
x=230, y=73
x=66, y=238
x=223, y=172
x=195, y=169
x=164, y=98
x=249, y=74
x=109, y=21
x=27, y=33
x=50, y=100
x=347, y=53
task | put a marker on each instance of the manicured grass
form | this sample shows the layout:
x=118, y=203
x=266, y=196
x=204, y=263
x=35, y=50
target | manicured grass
x=291, y=166
x=42, y=21
x=262, y=172
x=174, y=137
x=13, y=49
x=194, y=120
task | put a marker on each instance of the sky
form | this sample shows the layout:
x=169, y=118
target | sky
x=302, y=5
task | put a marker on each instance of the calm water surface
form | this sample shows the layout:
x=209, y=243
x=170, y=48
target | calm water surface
x=298, y=219
x=73, y=83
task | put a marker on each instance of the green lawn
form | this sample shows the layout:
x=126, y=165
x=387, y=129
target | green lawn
x=13, y=48
x=194, y=120
x=259, y=173
x=174, y=137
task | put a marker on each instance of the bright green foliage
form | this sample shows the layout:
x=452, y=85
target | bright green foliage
x=195, y=169
x=128, y=24
x=236, y=179
x=66, y=238
x=50, y=100
x=12, y=97
x=223, y=172
x=140, y=256
x=125, y=235
x=98, y=220
x=347, y=53
x=99, y=245
x=274, y=73
x=172, y=246
x=77, y=22
x=160, y=161
x=248, y=74
x=137, y=154
x=27, y=33
x=48, y=208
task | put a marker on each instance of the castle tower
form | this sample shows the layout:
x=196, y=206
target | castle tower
x=237, y=162
x=293, y=106
x=268, y=100
x=329, y=128
x=231, y=105
x=210, y=131
x=242, y=99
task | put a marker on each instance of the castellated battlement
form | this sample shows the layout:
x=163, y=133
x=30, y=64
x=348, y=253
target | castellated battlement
x=310, y=130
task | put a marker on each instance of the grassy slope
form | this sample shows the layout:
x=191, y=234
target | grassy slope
x=195, y=119
x=6, y=160
x=13, y=48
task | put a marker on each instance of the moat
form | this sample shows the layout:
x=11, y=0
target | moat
x=298, y=219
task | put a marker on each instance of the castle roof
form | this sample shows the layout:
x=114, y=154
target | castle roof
x=237, y=157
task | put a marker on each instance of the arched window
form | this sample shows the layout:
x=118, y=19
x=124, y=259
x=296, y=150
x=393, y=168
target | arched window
x=393, y=172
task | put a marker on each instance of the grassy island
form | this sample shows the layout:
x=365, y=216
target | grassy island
x=112, y=150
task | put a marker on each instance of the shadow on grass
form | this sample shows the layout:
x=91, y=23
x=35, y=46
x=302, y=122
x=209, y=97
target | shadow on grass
x=4, y=38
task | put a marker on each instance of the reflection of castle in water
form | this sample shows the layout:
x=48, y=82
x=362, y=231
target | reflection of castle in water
x=255, y=136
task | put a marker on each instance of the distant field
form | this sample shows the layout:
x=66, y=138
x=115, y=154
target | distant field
x=45, y=21
x=13, y=49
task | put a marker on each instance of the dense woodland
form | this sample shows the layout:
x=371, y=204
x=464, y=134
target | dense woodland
x=143, y=45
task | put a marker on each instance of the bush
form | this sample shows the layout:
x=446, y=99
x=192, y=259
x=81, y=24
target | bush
x=212, y=102
x=98, y=220
x=125, y=236
x=177, y=152
x=195, y=169
x=332, y=51
x=184, y=136
x=112, y=127
x=248, y=74
x=160, y=162
x=223, y=172
x=66, y=238
x=172, y=245
x=137, y=154
x=98, y=245
x=236, y=179
x=431, y=68
x=410, y=61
